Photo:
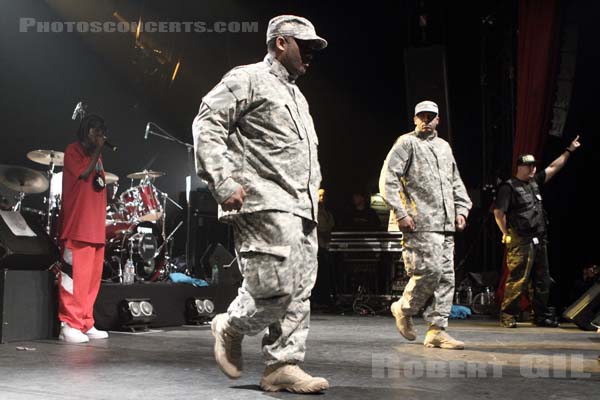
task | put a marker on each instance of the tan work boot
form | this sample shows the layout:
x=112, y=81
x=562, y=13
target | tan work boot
x=290, y=377
x=228, y=347
x=404, y=323
x=437, y=337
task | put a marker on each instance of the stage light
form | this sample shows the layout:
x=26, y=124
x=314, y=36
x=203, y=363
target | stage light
x=176, y=70
x=138, y=30
x=199, y=311
x=596, y=322
x=135, y=315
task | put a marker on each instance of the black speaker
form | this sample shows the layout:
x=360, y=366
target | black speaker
x=203, y=202
x=425, y=69
x=204, y=229
x=218, y=260
x=584, y=310
x=24, y=244
x=28, y=305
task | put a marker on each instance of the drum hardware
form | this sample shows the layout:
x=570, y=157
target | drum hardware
x=23, y=181
x=47, y=157
x=112, y=185
x=141, y=201
x=146, y=174
x=19, y=197
x=168, y=266
x=132, y=242
x=51, y=158
x=155, y=130
x=132, y=227
x=109, y=177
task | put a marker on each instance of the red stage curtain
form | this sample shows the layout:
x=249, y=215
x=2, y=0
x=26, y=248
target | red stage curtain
x=536, y=74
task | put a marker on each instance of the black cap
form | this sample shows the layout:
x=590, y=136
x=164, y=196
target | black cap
x=526, y=159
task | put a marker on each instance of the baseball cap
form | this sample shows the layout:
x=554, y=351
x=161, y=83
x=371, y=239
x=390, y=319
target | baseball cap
x=296, y=27
x=526, y=159
x=425, y=106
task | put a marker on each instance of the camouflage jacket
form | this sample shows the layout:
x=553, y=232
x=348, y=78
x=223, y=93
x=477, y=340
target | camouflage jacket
x=420, y=178
x=254, y=129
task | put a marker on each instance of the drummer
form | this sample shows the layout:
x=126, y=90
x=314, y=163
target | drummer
x=82, y=232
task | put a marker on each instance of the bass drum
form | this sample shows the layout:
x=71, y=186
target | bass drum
x=140, y=242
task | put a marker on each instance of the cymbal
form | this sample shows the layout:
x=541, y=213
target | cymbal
x=147, y=173
x=21, y=179
x=110, y=177
x=47, y=157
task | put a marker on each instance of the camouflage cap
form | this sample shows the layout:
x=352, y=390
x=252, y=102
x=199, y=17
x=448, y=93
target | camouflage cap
x=428, y=106
x=525, y=159
x=296, y=27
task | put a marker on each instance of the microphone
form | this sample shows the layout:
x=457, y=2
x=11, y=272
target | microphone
x=147, y=130
x=109, y=144
x=76, y=111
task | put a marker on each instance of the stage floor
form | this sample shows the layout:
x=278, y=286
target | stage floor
x=363, y=358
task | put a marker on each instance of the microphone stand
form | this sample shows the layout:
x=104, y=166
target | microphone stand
x=167, y=136
x=189, y=148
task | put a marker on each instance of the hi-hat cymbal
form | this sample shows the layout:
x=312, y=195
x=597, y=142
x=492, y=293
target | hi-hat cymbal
x=21, y=179
x=147, y=173
x=110, y=177
x=47, y=157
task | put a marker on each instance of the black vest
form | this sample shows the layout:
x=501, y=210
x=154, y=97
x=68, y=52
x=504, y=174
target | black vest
x=526, y=216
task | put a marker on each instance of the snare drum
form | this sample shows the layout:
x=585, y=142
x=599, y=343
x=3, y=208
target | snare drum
x=141, y=203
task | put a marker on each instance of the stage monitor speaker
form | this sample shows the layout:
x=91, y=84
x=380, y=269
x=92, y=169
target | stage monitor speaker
x=425, y=69
x=24, y=244
x=584, y=310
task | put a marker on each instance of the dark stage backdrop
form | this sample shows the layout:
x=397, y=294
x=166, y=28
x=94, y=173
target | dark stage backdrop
x=355, y=89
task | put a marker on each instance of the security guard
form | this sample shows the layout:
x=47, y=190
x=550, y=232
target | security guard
x=520, y=215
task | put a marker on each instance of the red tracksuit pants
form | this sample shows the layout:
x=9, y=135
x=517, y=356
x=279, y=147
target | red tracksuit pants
x=79, y=283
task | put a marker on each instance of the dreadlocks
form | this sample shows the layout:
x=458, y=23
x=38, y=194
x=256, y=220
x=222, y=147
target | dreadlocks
x=88, y=122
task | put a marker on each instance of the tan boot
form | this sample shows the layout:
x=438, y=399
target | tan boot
x=290, y=377
x=437, y=337
x=228, y=347
x=404, y=323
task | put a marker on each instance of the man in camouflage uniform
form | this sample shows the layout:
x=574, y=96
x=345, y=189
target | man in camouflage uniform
x=520, y=216
x=257, y=147
x=420, y=183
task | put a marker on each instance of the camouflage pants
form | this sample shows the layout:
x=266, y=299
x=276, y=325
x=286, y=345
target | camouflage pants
x=277, y=254
x=527, y=262
x=429, y=262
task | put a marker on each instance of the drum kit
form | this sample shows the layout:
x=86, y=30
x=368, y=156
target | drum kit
x=135, y=220
x=136, y=228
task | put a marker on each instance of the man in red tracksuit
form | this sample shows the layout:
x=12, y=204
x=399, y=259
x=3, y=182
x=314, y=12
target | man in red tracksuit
x=82, y=232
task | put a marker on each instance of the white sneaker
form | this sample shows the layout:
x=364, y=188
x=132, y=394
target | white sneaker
x=72, y=335
x=96, y=334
